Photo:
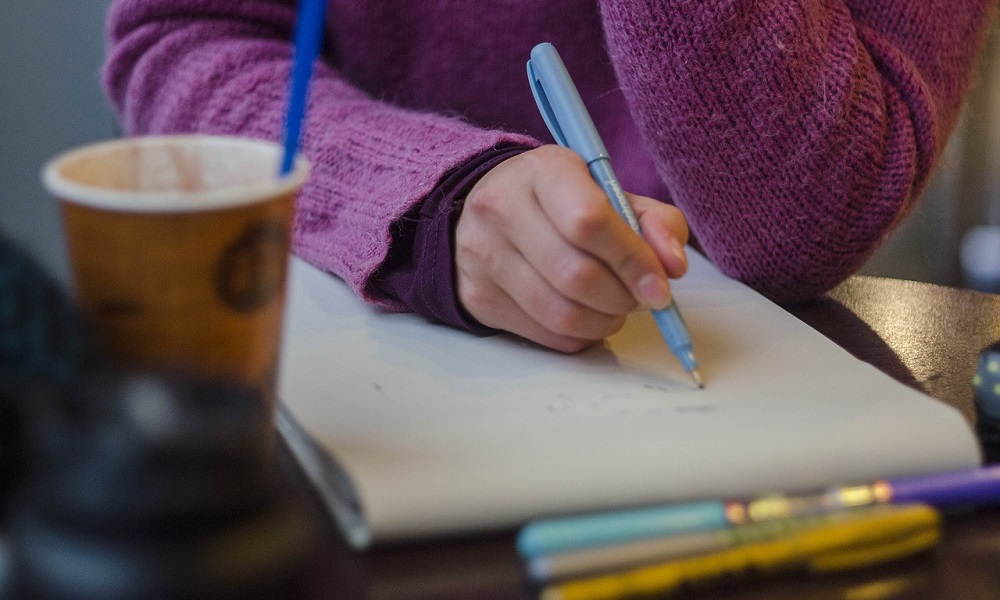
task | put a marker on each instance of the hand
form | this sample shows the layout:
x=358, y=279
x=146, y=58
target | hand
x=541, y=252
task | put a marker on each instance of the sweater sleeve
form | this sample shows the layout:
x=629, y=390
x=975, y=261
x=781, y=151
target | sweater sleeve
x=419, y=271
x=222, y=66
x=794, y=135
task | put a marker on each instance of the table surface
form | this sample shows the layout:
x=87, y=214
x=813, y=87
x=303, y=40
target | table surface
x=924, y=335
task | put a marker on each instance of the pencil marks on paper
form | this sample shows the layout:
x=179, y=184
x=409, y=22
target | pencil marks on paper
x=649, y=400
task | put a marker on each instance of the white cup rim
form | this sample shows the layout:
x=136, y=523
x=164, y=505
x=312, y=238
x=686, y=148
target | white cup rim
x=172, y=201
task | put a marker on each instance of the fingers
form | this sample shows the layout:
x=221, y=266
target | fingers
x=535, y=310
x=579, y=209
x=540, y=252
x=566, y=268
x=499, y=287
x=665, y=229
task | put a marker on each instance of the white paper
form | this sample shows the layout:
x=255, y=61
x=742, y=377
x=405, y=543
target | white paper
x=441, y=432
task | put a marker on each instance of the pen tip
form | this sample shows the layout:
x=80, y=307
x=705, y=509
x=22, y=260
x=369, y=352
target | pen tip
x=697, y=378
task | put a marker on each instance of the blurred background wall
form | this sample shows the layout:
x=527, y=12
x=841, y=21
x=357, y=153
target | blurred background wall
x=962, y=201
x=51, y=100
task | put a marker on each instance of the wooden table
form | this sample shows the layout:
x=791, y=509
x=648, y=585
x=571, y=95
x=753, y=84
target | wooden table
x=924, y=335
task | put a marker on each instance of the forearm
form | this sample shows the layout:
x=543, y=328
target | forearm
x=794, y=135
x=221, y=67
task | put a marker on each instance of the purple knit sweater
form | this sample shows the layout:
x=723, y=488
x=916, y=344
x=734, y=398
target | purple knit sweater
x=793, y=134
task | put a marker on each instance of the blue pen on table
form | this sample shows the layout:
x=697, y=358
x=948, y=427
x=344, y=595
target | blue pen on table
x=589, y=562
x=571, y=126
x=948, y=490
x=863, y=538
x=308, y=35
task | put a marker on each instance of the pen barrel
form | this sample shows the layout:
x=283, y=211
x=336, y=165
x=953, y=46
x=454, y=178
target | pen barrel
x=675, y=333
x=976, y=486
x=586, y=531
x=600, y=170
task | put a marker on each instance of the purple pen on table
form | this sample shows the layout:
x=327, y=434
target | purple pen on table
x=948, y=490
x=943, y=490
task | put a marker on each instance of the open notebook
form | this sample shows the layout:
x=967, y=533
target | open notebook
x=410, y=429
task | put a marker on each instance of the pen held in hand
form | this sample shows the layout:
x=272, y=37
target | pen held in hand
x=571, y=126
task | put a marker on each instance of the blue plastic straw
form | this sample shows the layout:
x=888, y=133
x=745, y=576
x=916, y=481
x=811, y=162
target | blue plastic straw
x=308, y=35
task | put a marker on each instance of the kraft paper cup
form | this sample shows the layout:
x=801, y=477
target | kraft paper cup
x=178, y=248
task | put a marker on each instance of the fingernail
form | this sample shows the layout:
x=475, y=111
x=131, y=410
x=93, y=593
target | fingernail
x=654, y=292
x=678, y=249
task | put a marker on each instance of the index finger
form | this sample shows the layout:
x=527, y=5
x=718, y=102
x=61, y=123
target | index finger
x=583, y=215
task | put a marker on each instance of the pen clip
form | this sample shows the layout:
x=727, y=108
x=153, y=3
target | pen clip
x=538, y=91
x=561, y=106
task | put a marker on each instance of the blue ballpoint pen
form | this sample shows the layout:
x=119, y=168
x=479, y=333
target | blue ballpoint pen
x=571, y=126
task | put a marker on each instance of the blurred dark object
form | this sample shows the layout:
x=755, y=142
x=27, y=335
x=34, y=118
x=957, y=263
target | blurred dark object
x=151, y=486
x=119, y=485
x=986, y=387
x=42, y=337
x=979, y=255
x=42, y=341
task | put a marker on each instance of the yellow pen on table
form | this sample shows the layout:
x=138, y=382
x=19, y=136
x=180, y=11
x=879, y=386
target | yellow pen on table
x=879, y=534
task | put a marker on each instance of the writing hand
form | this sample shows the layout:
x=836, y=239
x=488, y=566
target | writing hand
x=540, y=252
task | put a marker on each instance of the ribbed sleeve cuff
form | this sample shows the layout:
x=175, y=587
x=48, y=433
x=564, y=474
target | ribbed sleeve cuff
x=420, y=269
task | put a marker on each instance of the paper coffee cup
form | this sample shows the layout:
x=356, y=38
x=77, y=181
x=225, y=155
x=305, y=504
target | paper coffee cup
x=178, y=248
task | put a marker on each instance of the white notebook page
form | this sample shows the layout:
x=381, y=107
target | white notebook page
x=440, y=432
